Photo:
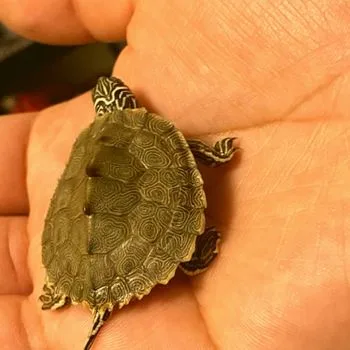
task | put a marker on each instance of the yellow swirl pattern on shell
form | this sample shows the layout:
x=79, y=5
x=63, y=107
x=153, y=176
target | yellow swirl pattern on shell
x=144, y=139
x=180, y=247
x=155, y=158
x=112, y=197
x=99, y=188
x=163, y=217
x=148, y=230
x=125, y=173
x=156, y=193
x=156, y=125
x=127, y=257
x=183, y=158
x=172, y=177
x=192, y=219
x=114, y=230
x=120, y=291
x=160, y=265
x=148, y=178
x=103, y=272
x=140, y=282
x=64, y=284
x=69, y=265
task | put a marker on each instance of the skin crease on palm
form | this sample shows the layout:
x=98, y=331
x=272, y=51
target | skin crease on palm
x=273, y=73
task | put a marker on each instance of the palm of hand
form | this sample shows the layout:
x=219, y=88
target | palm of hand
x=280, y=280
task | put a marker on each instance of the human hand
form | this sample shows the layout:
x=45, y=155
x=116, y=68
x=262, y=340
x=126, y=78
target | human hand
x=274, y=75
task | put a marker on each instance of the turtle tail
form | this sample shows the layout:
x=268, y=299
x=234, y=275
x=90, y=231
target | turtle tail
x=100, y=316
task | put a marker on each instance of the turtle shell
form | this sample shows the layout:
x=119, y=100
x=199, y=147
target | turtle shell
x=126, y=212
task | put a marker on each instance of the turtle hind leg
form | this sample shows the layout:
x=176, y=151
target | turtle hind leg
x=112, y=94
x=207, y=245
x=100, y=316
x=51, y=299
x=221, y=153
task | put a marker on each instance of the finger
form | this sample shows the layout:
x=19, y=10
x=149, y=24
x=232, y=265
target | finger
x=240, y=75
x=14, y=276
x=14, y=134
x=20, y=327
x=67, y=21
x=12, y=334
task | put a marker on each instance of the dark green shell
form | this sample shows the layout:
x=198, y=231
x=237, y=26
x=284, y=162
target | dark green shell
x=126, y=210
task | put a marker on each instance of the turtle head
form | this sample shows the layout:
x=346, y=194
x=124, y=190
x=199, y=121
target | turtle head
x=112, y=94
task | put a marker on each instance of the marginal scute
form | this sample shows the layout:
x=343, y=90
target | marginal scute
x=120, y=291
x=157, y=125
x=140, y=282
x=64, y=284
x=172, y=177
x=126, y=211
x=62, y=226
x=48, y=253
x=161, y=265
x=101, y=296
x=179, y=245
x=183, y=159
x=128, y=256
x=77, y=291
x=189, y=197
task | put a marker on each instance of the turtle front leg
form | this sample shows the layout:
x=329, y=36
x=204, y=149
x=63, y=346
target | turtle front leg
x=207, y=247
x=51, y=299
x=221, y=153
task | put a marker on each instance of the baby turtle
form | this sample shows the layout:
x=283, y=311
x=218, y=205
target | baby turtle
x=128, y=209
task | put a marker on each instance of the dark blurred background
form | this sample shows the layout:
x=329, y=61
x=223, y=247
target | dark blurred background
x=34, y=76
